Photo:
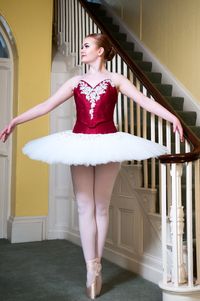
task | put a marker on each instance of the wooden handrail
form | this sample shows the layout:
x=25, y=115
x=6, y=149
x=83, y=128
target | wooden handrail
x=188, y=134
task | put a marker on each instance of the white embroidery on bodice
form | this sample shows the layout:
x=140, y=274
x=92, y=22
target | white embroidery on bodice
x=93, y=93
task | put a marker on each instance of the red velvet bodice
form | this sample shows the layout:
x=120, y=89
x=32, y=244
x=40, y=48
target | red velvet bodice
x=95, y=107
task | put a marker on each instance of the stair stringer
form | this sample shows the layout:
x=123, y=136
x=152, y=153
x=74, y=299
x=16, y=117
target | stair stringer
x=134, y=236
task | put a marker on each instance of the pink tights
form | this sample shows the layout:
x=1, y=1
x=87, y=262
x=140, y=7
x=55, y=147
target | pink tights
x=93, y=187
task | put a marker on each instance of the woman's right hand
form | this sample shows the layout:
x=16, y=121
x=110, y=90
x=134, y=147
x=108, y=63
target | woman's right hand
x=5, y=133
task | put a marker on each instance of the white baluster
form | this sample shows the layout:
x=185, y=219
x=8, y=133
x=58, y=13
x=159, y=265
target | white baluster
x=91, y=26
x=125, y=101
x=86, y=24
x=197, y=216
x=177, y=143
x=95, y=28
x=164, y=221
x=70, y=25
x=160, y=130
x=138, y=109
x=189, y=219
x=119, y=108
x=144, y=134
x=114, y=69
x=177, y=226
x=73, y=31
x=108, y=65
x=168, y=136
x=131, y=108
x=76, y=33
x=83, y=23
x=160, y=140
x=79, y=31
x=65, y=23
x=153, y=161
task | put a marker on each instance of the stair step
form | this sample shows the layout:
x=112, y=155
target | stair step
x=188, y=116
x=196, y=130
x=106, y=20
x=176, y=102
x=145, y=66
x=120, y=36
x=127, y=45
x=113, y=28
x=164, y=89
x=135, y=55
x=101, y=11
x=155, y=77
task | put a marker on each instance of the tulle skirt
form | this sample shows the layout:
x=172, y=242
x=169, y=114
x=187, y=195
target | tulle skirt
x=91, y=149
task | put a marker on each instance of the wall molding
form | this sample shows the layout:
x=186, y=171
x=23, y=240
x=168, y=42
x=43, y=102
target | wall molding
x=138, y=266
x=26, y=228
x=135, y=265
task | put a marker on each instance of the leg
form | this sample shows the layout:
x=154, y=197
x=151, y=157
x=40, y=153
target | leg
x=83, y=183
x=105, y=176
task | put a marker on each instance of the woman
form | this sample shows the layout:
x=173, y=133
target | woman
x=94, y=149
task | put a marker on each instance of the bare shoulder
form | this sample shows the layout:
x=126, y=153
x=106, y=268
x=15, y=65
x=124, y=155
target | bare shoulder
x=73, y=81
x=117, y=78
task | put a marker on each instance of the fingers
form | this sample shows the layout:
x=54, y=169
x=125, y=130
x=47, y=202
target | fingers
x=178, y=127
x=4, y=134
x=3, y=137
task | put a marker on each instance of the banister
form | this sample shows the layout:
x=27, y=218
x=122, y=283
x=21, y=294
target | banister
x=181, y=158
x=188, y=134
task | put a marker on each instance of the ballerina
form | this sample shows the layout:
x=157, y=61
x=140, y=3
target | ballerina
x=94, y=148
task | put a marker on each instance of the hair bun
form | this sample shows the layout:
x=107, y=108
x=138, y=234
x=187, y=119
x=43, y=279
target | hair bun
x=111, y=53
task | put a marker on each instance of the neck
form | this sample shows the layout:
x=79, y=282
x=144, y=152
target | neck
x=97, y=67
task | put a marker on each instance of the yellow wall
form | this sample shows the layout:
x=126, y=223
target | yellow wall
x=31, y=25
x=171, y=30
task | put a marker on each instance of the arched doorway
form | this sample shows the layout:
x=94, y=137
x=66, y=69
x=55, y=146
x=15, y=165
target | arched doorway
x=7, y=59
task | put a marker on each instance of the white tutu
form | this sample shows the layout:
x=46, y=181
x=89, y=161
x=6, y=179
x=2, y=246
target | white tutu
x=91, y=149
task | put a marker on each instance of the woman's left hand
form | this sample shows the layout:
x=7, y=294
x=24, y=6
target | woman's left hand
x=178, y=127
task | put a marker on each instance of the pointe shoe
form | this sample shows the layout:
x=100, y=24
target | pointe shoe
x=91, y=291
x=94, y=288
x=98, y=278
x=91, y=287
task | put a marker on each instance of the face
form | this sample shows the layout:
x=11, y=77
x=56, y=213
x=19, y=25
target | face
x=89, y=51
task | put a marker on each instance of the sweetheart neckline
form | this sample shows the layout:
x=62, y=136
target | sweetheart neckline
x=93, y=87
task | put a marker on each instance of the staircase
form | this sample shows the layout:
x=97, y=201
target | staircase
x=173, y=220
x=189, y=117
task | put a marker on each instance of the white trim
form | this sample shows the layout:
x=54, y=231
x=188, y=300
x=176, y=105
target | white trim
x=8, y=63
x=135, y=265
x=179, y=90
x=139, y=266
x=143, y=269
x=26, y=228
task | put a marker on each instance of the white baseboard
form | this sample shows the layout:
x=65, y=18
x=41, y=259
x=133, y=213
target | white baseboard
x=26, y=228
x=144, y=270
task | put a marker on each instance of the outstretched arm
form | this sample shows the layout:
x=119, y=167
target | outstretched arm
x=63, y=93
x=127, y=88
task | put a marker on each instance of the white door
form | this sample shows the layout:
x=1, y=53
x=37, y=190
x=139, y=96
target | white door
x=5, y=115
